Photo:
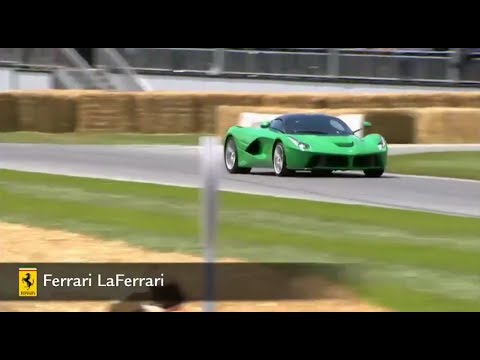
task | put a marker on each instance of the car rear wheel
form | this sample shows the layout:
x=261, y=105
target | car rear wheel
x=280, y=161
x=374, y=173
x=231, y=158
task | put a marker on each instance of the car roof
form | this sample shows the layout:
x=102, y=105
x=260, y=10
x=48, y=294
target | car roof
x=306, y=116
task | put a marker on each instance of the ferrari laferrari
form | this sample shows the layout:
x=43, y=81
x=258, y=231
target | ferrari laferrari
x=304, y=142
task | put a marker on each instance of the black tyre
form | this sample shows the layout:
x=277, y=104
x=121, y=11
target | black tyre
x=374, y=173
x=279, y=160
x=230, y=157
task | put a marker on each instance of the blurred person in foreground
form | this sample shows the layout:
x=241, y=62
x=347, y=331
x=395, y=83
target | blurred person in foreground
x=168, y=298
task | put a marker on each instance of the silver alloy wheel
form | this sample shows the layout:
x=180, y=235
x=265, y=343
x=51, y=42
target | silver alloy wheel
x=230, y=155
x=278, y=159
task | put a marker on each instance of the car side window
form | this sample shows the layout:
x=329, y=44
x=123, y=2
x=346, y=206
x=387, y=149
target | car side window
x=337, y=125
x=277, y=125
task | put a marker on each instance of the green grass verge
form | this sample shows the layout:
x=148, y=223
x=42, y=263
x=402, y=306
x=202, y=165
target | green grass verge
x=421, y=261
x=462, y=164
x=98, y=138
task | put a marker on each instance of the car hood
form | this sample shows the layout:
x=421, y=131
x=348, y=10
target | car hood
x=337, y=144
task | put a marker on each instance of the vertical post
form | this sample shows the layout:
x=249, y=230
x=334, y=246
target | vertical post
x=98, y=62
x=219, y=61
x=208, y=215
x=454, y=63
x=13, y=80
x=333, y=62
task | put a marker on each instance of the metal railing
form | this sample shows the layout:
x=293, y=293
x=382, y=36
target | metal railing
x=193, y=60
x=80, y=70
x=123, y=75
x=387, y=64
x=70, y=69
x=63, y=80
x=394, y=65
x=30, y=56
x=275, y=63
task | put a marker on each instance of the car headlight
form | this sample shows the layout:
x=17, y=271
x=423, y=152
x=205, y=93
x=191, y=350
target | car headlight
x=382, y=144
x=300, y=144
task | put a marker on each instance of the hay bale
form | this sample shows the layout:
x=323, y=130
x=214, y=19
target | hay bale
x=57, y=113
x=346, y=101
x=304, y=100
x=28, y=104
x=45, y=111
x=337, y=100
x=467, y=100
x=448, y=126
x=397, y=125
x=330, y=100
x=423, y=100
x=227, y=116
x=446, y=99
x=206, y=104
x=103, y=111
x=164, y=112
x=8, y=112
x=404, y=100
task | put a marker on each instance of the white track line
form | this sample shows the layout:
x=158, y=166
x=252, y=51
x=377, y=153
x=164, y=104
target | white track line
x=434, y=177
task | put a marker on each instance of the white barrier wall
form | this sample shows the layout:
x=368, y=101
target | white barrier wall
x=40, y=80
x=5, y=80
x=24, y=80
x=215, y=84
x=248, y=119
x=354, y=122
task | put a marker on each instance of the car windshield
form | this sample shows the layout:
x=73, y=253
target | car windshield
x=315, y=125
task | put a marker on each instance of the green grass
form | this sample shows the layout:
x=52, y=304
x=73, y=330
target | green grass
x=419, y=261
x=98, y=138
x=465, y=165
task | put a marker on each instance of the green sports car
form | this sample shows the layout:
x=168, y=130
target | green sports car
x=313, y=142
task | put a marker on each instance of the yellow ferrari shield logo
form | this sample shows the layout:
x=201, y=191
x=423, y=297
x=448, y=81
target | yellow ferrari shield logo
x=27, y=281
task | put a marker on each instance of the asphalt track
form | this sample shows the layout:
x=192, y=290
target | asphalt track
x=180, y=165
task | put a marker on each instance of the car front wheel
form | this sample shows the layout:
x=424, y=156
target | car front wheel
x=231, y=158
x=280, y=161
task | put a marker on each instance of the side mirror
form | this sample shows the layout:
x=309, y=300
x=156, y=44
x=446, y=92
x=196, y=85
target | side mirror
x=366, y=124
x=265, y=125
